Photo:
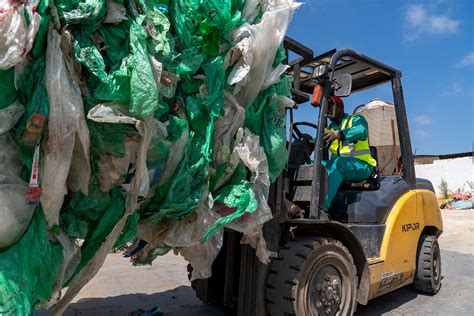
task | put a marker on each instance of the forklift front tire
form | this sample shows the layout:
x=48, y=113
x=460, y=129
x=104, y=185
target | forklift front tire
x=312, y=276
x=428, y=265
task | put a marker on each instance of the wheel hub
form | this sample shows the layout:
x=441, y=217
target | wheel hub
x=326, y=291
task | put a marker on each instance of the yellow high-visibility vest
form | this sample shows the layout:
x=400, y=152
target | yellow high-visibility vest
x=359, y=149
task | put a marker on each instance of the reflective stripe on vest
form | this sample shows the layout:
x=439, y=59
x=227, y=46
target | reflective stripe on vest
x=359, y=149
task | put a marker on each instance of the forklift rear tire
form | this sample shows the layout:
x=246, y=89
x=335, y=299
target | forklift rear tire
x=312, y=276
x=428, y=265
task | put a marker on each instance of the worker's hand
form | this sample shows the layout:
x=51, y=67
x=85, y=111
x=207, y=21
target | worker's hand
x=330, y=136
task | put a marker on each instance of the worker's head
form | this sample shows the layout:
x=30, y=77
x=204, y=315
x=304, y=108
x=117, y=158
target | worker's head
x=336, y=108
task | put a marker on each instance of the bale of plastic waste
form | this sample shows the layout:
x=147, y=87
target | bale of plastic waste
x=155, y=122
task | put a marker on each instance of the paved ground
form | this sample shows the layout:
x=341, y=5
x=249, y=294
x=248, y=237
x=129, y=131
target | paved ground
x=119, y=289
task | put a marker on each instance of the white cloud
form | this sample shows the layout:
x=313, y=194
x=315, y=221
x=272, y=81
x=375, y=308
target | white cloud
x=454, y=89
x=421, y=20
x=421, y=133
x=423, y=120
x=467, y=61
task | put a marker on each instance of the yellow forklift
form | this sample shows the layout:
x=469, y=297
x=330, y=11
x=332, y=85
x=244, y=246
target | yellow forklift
x=377, y=236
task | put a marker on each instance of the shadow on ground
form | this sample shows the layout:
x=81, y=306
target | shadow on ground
x=178, y=301
x=182, y=301
x=455, y=298
x=388, y=302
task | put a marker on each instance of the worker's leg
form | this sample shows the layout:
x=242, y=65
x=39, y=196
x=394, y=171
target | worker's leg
x=334, y=180
x=341, y=169
x=355, y=170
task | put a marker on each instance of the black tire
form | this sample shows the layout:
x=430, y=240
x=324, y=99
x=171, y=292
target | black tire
x=312, y=276
x=428, y=265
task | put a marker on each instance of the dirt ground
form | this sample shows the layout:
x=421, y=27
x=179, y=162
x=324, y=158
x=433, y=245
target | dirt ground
x=119, y=289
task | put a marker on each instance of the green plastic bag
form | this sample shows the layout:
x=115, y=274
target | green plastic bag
x=88, y=54
x=238, y=194
x=191, y=177
x=265, y=117
x=7, y=87
x=94, y=217
x=29, y=269
x=117, y=40
x=39, y=45
x=109, y=138
x=145, y=99
x=81, y=11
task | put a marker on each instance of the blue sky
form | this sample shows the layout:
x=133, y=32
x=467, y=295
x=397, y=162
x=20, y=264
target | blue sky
x=431, y=42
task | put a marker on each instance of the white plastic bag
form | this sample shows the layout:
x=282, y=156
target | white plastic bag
x=252, y=155
x=15, y=213
x=247, y=150
x=190, y=230
x=177, y=153
x=226, y=128
x=80, y=171
x=201, y=256
x=115, y=12
x=265, y=37
x=185, y=236
x=112, y=168
x=240, y=57
x=251, y=9
x=111, y=112
x=10, y=163
x=16, y=39
x=65, y=103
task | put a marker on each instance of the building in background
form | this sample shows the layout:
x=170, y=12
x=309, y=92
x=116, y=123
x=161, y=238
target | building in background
x=456, y=169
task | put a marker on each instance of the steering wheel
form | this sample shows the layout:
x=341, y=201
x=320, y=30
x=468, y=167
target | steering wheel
x=297, y=134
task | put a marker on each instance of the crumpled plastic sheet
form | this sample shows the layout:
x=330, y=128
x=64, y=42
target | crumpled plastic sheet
x=184, y=236
x=226, y=128
x=80, y=171
x=202, y=255
x=16, y=38
x=115, y=12
x=93, y=266
x=251, y=154
x=80, y=11
x=66, y=106
x=29, y=269
x=71, y=259
x=251, y=9
x=112, y=168
x=15, y=213
x=241, y=58
x=265, y=38
x=112, y=112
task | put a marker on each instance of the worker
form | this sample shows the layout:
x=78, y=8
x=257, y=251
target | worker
x=347, y=138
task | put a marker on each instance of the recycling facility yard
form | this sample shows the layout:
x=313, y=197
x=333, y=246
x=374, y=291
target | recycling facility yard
x=119, y=290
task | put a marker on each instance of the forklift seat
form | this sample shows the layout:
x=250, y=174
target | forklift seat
x=368, y=206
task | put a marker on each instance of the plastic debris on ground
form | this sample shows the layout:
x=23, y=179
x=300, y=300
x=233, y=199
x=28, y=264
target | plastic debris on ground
x=457, y=200
x=150, y=124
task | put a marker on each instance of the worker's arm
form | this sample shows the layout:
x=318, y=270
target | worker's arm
x=358, y=131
